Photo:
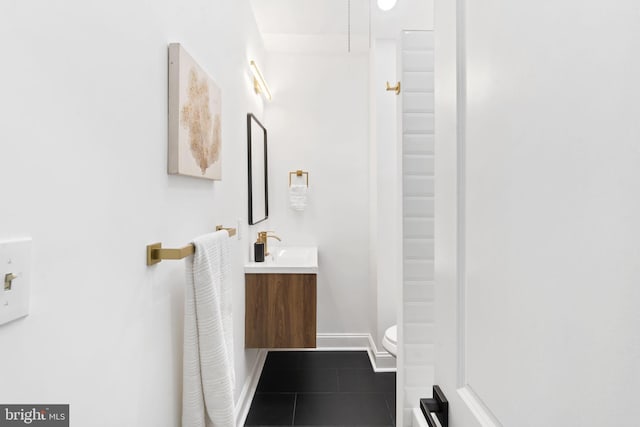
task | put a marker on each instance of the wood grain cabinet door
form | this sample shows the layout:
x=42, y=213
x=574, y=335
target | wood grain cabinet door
x=280, y=311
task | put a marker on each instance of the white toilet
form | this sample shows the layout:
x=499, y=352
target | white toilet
x=390, y=340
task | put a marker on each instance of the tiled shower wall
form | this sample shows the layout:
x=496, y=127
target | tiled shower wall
x=417, y=216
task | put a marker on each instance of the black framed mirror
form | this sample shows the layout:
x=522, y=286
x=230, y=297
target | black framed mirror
x=258, y=185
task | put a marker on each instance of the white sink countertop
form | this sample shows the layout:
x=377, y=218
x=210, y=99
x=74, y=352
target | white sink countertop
x=287, y=260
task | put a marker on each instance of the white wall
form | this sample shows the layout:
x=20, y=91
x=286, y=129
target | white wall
x=84, y=136
x=373, y=192
x=318, y=121
x=384, y=184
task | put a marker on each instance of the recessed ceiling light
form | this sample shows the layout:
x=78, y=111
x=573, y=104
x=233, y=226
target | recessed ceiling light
x=386, y=4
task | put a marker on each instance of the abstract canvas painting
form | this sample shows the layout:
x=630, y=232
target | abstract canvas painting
x=195, y=140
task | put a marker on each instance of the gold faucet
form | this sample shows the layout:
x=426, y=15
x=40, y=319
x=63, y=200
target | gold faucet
x=262, y=238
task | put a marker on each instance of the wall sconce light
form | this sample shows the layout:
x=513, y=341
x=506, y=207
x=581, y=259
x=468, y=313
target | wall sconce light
x=259, y=84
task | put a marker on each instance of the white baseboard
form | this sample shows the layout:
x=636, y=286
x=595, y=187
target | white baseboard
x=249, y=389
x=381, y=361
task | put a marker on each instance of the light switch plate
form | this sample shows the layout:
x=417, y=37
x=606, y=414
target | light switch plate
x=15, y=258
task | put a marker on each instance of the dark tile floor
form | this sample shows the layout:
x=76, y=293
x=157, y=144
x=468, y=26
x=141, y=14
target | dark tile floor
x=323, y=388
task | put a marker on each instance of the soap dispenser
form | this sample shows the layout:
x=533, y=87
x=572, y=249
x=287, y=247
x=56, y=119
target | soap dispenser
x=258, y=250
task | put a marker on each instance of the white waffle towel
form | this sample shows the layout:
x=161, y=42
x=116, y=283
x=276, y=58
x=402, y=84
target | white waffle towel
x=208, y=371
x=298, y=196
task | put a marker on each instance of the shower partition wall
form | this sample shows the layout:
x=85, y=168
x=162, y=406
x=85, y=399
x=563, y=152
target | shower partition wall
x=417, y=316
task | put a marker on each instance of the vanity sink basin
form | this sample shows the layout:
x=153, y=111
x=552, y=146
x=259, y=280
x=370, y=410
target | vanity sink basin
x=288, y=260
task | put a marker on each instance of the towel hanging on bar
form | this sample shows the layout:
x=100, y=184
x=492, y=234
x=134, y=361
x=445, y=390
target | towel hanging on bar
x=298, y=191
x=156, y=253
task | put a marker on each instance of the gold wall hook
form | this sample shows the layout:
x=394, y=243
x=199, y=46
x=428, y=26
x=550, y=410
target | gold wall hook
x=395, y=88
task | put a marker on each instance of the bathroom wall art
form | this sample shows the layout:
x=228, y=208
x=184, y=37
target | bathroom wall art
x=195, y=142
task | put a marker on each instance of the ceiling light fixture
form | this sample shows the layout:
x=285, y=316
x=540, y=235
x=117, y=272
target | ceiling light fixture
x=386, y=4
x=259, y=83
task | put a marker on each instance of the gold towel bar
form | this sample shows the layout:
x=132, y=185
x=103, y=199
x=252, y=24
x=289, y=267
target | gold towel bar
x=156, y=253
x=299, y=173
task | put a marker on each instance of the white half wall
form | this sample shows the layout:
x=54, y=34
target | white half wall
x=318, y=122
x=416, y=330
x=84, y=155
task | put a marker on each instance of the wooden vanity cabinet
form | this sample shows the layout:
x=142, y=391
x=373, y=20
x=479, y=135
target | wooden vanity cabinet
x=280, y=310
